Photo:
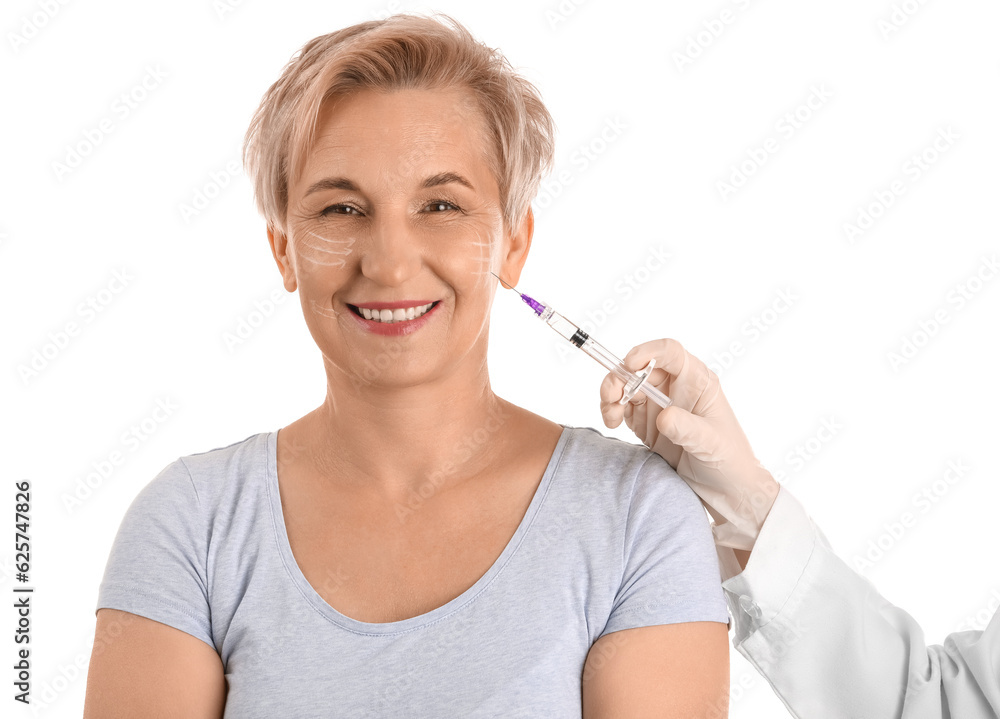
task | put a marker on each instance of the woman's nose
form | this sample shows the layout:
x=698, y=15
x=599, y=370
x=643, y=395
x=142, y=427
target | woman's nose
x=392, y=254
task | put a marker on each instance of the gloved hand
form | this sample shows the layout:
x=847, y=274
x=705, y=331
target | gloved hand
x=699, y=437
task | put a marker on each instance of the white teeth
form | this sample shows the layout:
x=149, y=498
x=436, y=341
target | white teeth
x=390, y=316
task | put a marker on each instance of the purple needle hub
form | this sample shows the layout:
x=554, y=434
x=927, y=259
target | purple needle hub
x=538, y=307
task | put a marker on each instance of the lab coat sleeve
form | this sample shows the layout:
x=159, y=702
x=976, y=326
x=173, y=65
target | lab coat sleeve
x=831, y=646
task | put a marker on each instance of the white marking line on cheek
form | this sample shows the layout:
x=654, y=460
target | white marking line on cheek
x=325, y=311
x=333, y=262
x=484, y=259
x=348, y=242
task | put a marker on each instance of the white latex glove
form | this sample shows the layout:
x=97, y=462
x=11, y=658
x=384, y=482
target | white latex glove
x=699, y=437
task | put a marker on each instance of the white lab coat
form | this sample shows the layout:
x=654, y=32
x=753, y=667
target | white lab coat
x=830, y=646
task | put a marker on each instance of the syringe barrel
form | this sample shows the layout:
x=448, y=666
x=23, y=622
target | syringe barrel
x=615, y=366
x=610, y=362
x=585, y=342
x=565, y=328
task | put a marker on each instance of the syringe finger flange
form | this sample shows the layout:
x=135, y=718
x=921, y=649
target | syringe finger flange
x=640, y=377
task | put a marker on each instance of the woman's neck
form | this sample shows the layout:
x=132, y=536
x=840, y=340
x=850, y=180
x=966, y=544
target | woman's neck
x=417, y=439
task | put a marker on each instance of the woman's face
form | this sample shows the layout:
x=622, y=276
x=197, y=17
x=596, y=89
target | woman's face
x=396, y=209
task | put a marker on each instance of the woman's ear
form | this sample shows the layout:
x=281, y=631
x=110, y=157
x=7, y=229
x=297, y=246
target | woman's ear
x=279, y=248
x=517, y=250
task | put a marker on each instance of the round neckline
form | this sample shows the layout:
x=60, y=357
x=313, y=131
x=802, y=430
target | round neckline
x=320, y=605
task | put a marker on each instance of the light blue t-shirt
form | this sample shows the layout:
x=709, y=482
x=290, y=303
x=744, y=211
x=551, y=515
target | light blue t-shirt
x=612, y=539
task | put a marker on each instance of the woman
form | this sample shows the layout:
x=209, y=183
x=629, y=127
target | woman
x=416, y=545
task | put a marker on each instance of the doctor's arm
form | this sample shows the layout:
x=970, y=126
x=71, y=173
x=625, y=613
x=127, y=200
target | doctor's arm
x=831, y=646
x=822, y=636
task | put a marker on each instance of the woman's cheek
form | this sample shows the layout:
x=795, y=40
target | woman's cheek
x=319, y=248
x=322, y=259
x=468, y=248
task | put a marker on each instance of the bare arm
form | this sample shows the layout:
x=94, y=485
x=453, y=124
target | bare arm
x=665, y=671
x=142, y=668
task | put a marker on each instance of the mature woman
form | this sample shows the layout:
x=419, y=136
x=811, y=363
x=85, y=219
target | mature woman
x=415, y=546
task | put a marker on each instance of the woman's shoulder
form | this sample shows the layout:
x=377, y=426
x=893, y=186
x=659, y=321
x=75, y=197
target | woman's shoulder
x=207, y=475
x=622, y=471
x=587, y=444
x=242, y=450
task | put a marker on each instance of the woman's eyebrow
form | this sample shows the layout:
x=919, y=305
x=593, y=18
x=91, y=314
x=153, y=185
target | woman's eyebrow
x=332, y=183
x=443, y=178
x=342, y=183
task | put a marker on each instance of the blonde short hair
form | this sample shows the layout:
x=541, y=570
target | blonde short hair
x=402, y=51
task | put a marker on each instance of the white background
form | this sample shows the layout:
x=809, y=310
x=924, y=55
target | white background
x=652, y=184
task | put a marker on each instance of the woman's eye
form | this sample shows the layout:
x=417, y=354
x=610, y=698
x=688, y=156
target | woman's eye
x=350, y=211
x=441, y=206
x=340, y=210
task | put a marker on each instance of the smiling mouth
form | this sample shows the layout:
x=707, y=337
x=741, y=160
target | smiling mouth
x=393, y=316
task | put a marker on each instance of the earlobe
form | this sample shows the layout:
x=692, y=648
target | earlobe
x=279, y=248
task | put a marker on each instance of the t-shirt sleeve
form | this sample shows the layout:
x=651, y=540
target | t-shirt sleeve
x=157, y=565
x=671, y=568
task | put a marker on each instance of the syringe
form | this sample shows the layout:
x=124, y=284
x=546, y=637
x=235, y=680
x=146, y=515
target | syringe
x=634, y=381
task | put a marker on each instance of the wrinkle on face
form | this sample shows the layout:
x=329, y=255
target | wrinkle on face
x=323, y=310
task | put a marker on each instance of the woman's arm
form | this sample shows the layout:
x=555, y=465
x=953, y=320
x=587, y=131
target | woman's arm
x=664, y=671
x=154, y=654
x=142, y=668
x=664, y=650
